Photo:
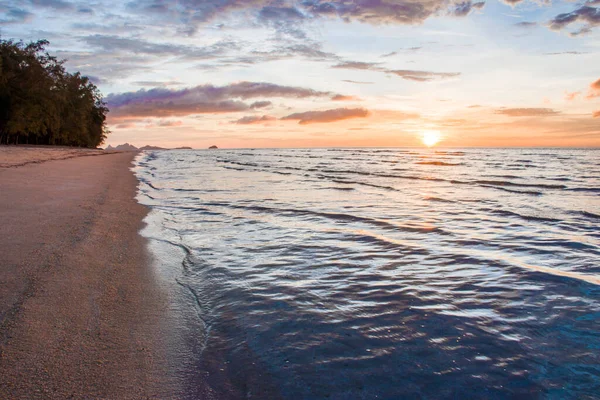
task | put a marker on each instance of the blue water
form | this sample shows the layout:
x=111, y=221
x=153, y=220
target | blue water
x=381, y=273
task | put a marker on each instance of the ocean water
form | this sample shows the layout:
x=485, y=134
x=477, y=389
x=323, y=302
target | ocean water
x=381, y=273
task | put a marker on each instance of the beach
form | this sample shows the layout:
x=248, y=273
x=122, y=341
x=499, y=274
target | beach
x=80, y=311
x=299, y=273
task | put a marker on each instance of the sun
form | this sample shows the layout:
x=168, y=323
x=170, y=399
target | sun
x=430, y=138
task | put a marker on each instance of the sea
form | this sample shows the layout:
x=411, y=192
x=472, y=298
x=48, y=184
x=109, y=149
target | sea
x=395, y=273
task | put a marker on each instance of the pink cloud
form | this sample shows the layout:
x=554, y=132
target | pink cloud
x=594, y=90
x=338, y=114
x=570, y=96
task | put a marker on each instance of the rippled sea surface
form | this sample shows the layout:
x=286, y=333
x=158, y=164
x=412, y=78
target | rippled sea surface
x=383, y=273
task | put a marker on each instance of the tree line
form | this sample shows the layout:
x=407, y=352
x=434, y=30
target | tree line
x=42, y=103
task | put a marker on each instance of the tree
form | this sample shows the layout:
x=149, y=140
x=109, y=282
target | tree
x=42, y=103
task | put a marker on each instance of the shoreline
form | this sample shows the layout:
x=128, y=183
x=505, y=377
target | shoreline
x=81, y=312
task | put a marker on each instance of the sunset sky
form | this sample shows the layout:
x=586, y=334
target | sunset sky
x=260, y=73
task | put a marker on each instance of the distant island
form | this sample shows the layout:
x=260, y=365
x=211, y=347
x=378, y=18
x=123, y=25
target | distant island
x=213, y=148
x=130, y=147
x=41, y=103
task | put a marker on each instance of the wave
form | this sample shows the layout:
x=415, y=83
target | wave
x=528, y=192
x=585, y=189
x=525, y=185
x=438, y=163
x=588, y=214
x=338, y=217
x=347, y=189
x=506, y=213
x=438, y=199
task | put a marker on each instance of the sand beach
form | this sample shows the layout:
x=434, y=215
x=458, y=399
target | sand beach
x=80, y=312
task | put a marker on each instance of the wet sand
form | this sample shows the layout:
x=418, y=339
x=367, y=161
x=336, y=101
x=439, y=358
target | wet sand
x=81, y=313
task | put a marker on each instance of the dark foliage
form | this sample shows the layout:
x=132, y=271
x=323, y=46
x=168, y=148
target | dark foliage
x=41, y=103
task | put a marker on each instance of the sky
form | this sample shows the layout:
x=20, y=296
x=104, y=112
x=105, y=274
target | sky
x=317, y=73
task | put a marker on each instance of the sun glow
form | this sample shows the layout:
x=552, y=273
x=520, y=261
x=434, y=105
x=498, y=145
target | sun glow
x=430, y=138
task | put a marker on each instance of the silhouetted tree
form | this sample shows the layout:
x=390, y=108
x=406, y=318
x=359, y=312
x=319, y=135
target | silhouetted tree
x=41, y=103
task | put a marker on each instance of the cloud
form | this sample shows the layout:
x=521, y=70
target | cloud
x=285, y=15
x=168, y=123
x=96, y=80
x=358, y=65
x=253, y=119
x=54, y=4
x=464, y=8
x=527, y=112
x=412, y=75
x=422, y=76
x=246, y=90
x=157, y=83
x=358, y=82
x=586, y=16
x=14, y=15
x=407, y=50
x=163, y=102
x=112, y=28
x=260, y=104
x=242, y=90
x=341, y=97
x=113, y=44
x=114, y=57
x=338, y=114
x=285, y=20
x=105, y=66
x=564, y=52
x=308, y=50
x=85, y=10
x=594, y=90
x=127, y=125
x=270, y=13
x=526, y=24
x=171, y=109
x=596, y=114
x=570, y=96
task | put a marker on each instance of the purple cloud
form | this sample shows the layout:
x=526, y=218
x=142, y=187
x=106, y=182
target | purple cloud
x=283, y=14
x=252, y=119
x=464, y=8
x=526, y=24
x=586, y=15
x=163, y=102
x=260, y=104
